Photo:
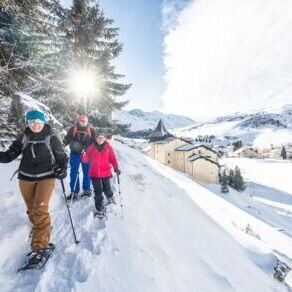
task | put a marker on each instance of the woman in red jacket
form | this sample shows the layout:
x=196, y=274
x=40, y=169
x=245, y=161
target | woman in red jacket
x=101, y=156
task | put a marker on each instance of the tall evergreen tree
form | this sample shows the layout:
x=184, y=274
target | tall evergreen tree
x=231, y=178
x=239, y=183
x=283, y=152
x=41, y=43
x=90, y=44
x=224, y=182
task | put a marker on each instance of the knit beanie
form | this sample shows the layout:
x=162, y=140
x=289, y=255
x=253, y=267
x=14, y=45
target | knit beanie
x=35, y=115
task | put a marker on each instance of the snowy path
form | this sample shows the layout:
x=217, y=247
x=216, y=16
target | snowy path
x=164, y=242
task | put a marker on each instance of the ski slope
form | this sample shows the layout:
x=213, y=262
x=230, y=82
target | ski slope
x=171, y=236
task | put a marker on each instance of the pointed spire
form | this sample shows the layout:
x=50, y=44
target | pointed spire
x=159, y=133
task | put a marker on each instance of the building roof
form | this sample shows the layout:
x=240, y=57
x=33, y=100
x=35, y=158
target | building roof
x=195, y=157
x=159, y=133
x=206, y=147
x=186, y=147
x=163, y=141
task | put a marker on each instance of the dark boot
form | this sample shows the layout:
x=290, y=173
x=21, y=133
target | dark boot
x=73, y=196
x=86, y=194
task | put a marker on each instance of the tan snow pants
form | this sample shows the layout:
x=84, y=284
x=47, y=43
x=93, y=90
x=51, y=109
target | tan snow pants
x=37, y=195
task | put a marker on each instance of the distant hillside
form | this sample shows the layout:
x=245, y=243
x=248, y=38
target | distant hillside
x=141, y=120
x=261, y=128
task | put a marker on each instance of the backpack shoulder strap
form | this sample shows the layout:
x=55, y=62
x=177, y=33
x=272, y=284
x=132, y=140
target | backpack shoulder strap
x=25, y=140
x=89, y=132
x=49, y=146
x=75, y=130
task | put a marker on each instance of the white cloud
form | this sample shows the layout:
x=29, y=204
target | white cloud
x=170, y=11
x=224, y=56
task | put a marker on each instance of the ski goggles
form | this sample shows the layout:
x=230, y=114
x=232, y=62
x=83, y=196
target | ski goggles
x=35, y=121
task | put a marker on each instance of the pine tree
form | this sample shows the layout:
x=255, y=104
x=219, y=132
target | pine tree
x=283, y=152
x=224, y=183
x=40, y=42
x=239, y=183
x=90, y=43
x=231, y=178
x=25, y=29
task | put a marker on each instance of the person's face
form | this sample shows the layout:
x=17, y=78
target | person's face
x=83, y=123
x=36, y=125
x=100, y=139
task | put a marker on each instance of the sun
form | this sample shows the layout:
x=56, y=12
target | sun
x=83, y=83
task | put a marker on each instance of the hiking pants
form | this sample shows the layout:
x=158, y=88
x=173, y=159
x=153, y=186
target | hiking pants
x=37, y=195
x=101, y=185
x=75, y=160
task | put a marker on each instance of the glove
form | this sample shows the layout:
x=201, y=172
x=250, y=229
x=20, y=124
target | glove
x=117, y=171
x=60, y=172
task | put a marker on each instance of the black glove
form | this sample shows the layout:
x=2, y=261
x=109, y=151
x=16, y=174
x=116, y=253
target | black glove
x=60, y=172
x=117, y=171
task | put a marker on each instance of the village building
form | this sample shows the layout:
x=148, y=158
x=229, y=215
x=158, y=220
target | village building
x=204, y=168
x=163, y=144
x=199, y=161
x=264, y=152
x=195, y=159
x=245, y=152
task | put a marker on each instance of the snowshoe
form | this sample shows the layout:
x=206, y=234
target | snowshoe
x=112, y=206
x=86, y=194
x=111, y=201
x=72, y=197
x=37, y=259
x=99, y=214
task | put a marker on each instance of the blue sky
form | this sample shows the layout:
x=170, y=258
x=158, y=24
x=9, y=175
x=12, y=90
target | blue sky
x=141, y=59
x=205, y=59
x=140, y=25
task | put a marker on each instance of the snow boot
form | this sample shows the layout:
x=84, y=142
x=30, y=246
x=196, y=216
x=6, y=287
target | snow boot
x=111, y=201
x=73, y=196
x=99, y=214
x=86, y=194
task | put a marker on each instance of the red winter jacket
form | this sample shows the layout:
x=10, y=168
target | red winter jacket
x=100, y=161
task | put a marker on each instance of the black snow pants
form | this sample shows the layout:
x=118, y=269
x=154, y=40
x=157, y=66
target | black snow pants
x=101, y=185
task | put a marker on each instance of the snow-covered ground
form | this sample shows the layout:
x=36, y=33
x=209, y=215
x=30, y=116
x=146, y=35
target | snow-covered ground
x=174, y=235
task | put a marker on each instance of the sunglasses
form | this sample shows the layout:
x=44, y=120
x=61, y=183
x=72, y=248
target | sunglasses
x=35, y=121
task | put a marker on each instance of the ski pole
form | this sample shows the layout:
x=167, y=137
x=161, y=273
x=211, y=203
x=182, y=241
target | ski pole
x=75, y=184
x=119, y=188
x=64, y=192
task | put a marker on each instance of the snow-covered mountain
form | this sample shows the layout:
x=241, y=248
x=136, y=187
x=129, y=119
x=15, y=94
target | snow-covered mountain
x=141, y=120
x=263, y=128
x=173, y=235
